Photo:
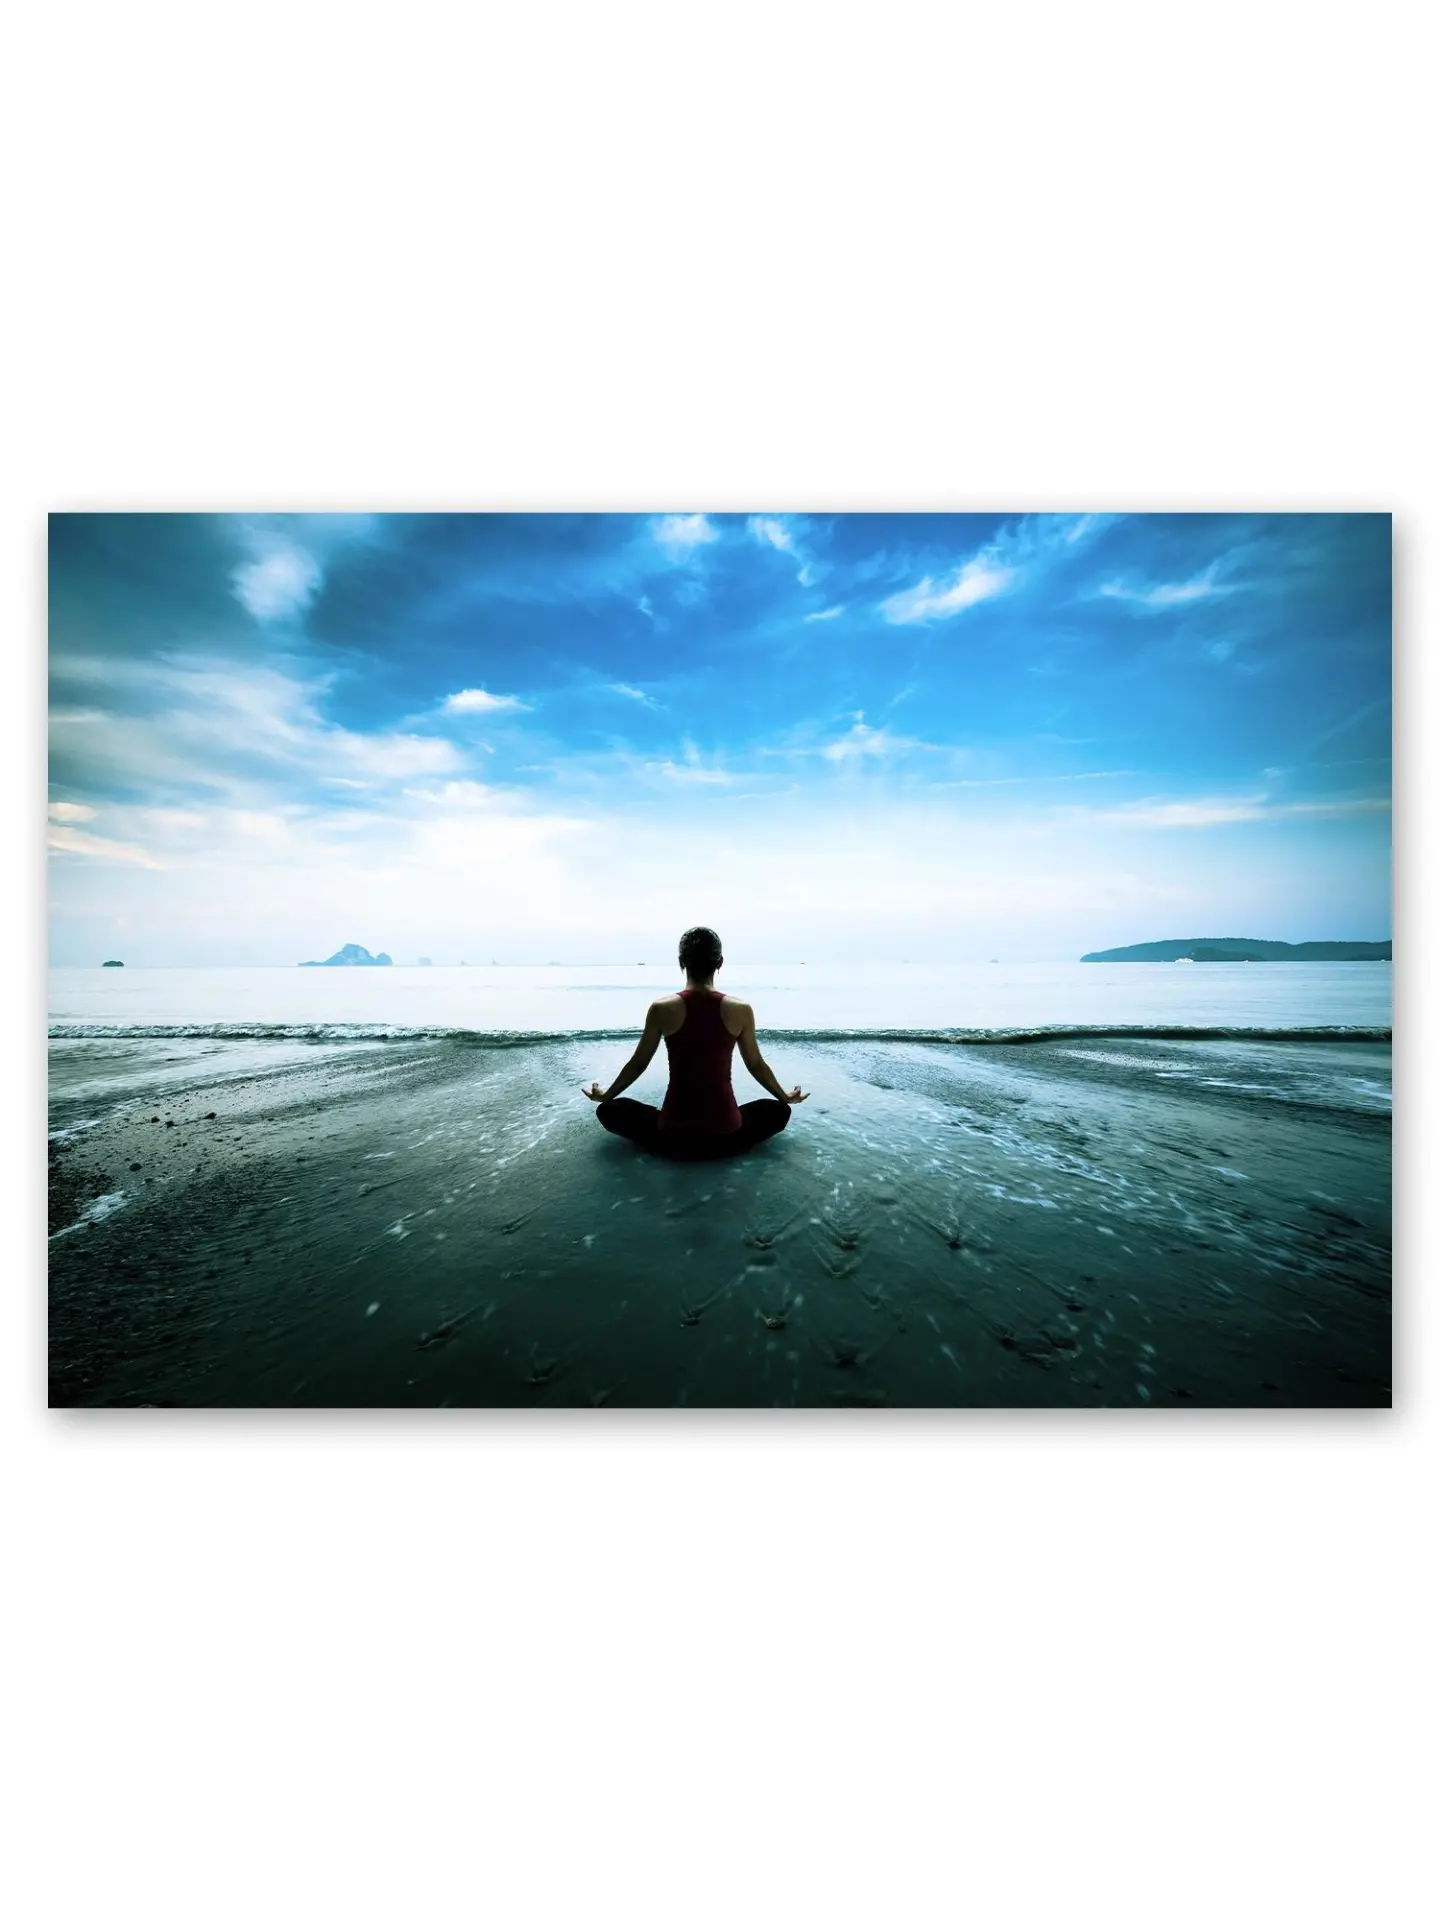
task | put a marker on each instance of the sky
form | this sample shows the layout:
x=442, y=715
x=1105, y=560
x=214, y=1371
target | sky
x=859, y=737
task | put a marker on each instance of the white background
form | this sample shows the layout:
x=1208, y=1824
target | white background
x=774, y=256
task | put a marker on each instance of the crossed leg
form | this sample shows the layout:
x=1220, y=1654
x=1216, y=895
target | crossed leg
x=638, y=1121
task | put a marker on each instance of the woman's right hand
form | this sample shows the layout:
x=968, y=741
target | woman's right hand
x=795, y=1096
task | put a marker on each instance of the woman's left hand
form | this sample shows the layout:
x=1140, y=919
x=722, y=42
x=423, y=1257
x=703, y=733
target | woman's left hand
x=594, y=1091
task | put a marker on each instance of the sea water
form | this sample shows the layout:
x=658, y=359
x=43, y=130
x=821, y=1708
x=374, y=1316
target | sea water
x=995, y=999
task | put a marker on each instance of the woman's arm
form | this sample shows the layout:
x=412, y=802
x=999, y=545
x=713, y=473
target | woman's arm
x=758, y=1066
x=640, y=1059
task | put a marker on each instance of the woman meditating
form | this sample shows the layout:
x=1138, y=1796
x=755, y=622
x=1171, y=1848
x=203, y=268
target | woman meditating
x=701, y=1027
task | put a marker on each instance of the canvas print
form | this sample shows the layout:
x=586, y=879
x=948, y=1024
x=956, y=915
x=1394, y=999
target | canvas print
x=705, y=959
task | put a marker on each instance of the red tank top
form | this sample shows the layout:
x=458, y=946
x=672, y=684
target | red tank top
x=699, y=1098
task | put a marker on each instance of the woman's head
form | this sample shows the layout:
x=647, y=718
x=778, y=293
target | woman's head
x=700, y=952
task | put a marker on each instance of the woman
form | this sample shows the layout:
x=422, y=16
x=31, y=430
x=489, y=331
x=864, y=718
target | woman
x=700, y=1119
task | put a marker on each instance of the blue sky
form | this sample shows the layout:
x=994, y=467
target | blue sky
x=866, y=736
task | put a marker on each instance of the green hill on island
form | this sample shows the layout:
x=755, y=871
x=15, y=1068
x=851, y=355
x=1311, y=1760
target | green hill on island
x=1247, y=950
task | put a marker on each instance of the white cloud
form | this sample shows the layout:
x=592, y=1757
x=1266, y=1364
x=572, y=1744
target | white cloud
x=1020, y=547
x=477, y=700
x=826, y=613
x=697, y=775
x=770, y=531
x=172, y=819
x=1038, y=779
x=212, y=724
x=396, y=756
x=269, y=828
x=464, y=794
x=93, y=846
x=632, y=693
x=280, y=584
x=979, y=579
x=694, y=768
x=504, y=844
x=288, y=558
x=864, y=742
x=70, y=810
x=679, y=534
x=1221, y=811
x=444, y=876
x=1183, y=593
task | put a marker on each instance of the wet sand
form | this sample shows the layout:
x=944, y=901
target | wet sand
x=422, y=1223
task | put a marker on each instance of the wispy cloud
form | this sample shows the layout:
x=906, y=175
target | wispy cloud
x=678, y=535
x=695, y=775
x=979, y=579
x=1020, y=549
x=871, y=743
x=1221, y=811
x=392, y=756
x=280, y=584
x=771, y=531
x=693, y=768
x=229, y=728
x=1353, y=717
x=324, y=753
x=477, y=700
x=1155, y=597
x=465, y=794
x=96, y=847
x=632, y=693
x=1043, y=779
x=288, y=557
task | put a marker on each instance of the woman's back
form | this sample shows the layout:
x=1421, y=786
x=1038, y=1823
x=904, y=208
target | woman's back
x=700, y=1098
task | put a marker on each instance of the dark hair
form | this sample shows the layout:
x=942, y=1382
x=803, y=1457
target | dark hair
x=700, y=951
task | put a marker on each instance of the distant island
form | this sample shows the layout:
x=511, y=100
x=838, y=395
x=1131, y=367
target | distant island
x=1247, y=950
x=112, y=963
x=351, y=956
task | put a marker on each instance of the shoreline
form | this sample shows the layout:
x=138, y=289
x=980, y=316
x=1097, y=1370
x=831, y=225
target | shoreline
x=392, y=1222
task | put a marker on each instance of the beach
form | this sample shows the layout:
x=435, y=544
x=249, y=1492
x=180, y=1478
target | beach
x=1083, y=1219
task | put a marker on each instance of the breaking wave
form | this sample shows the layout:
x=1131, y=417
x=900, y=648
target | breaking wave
x=331, y=1031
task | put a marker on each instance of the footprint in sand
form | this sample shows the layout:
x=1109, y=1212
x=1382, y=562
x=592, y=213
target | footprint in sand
x=447, y=1330
x=846, y=1353
x=542, y=1370
x=764, y=1238
x=778, y=1318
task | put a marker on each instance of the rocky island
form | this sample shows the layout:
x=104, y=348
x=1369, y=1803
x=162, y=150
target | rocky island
x=1247, y=950
x=351, y=956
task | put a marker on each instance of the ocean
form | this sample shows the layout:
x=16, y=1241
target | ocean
x=967, y=999
x=1050, y=1185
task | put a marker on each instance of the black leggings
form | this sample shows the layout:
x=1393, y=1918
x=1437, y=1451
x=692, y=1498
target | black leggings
x=635, y=1120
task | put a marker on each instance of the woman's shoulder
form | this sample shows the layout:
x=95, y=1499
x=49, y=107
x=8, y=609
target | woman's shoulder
x=737, y=1014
